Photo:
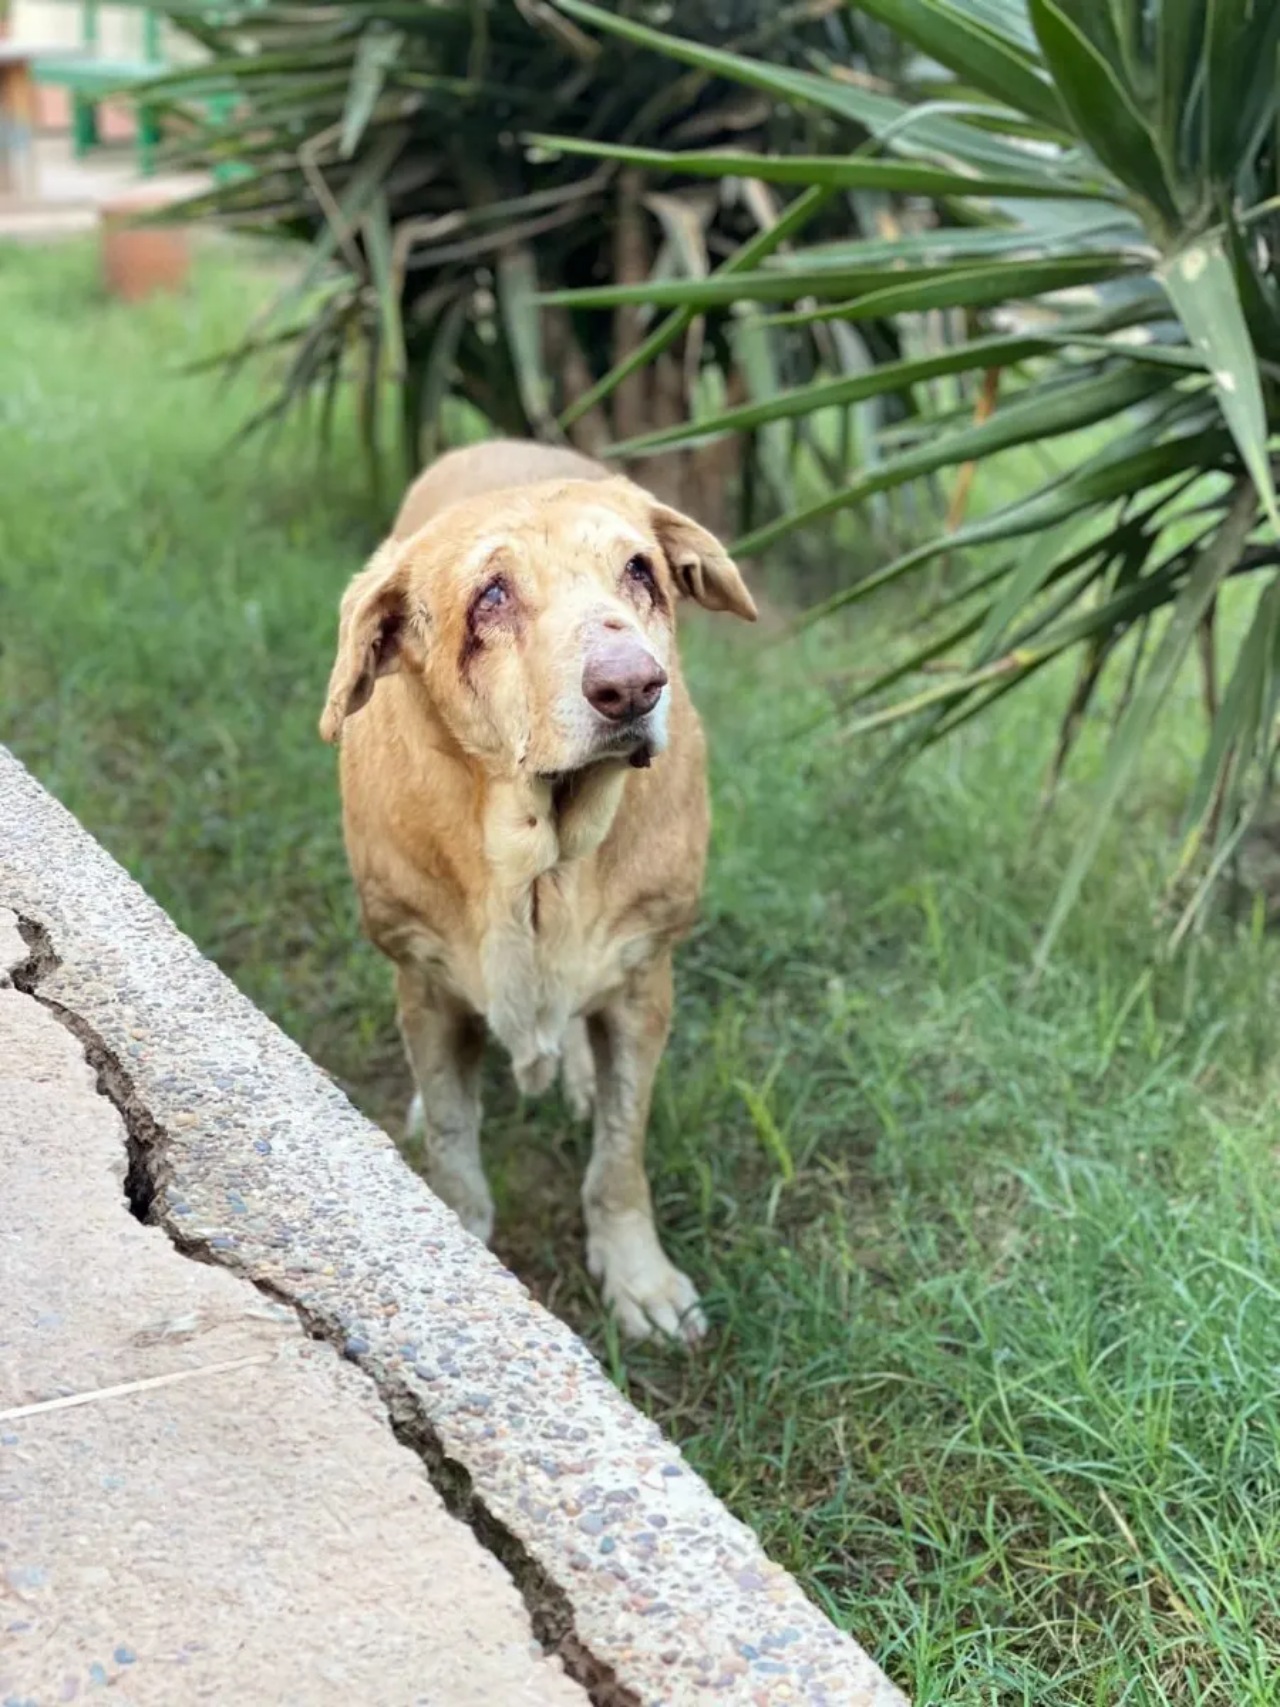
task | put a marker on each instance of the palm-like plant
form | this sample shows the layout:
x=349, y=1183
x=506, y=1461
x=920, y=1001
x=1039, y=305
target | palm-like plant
x=389, y=139
x=1105, y=184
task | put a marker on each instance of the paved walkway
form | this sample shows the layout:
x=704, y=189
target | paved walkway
x=218, y=1511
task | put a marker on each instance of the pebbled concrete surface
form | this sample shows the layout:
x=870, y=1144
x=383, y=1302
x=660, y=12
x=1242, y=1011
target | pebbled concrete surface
x=651, y=1591
x=245, y=1529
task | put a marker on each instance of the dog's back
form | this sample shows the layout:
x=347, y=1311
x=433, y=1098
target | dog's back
x=495, y=466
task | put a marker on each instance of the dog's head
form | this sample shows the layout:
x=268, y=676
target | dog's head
x=541, y=622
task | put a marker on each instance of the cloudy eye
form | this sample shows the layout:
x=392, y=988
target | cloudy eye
x=493, y=597
x=640, y=569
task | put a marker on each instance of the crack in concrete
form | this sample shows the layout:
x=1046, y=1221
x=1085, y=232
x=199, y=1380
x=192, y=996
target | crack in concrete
x=549, y=1607
x=144, y=1139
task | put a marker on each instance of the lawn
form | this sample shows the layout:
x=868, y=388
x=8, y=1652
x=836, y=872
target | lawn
x=994, y=1271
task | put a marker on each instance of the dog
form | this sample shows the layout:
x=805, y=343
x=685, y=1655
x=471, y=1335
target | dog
x=524, y=800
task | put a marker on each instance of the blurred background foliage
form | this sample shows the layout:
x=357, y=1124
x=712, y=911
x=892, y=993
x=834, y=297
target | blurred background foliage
x=1104, y=180
x=392, y=141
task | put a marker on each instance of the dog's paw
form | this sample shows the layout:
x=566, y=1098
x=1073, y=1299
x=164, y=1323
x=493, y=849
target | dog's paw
x=646, y=1291
x=578, y=1072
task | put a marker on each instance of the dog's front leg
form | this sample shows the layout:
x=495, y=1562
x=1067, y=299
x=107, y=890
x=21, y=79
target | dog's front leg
x=623, y=1252
x=445, y=1045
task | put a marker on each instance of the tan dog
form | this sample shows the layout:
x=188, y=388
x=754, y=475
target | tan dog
x=525, y=807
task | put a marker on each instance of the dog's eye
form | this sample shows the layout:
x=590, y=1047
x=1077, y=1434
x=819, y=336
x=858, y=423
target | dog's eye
x=640, y=569
x=492, y=597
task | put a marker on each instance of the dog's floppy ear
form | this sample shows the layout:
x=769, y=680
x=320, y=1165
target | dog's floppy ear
x=373, y=626
x=702, y=567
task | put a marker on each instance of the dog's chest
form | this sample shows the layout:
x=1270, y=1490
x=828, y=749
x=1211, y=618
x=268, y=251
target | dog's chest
x=545, y=959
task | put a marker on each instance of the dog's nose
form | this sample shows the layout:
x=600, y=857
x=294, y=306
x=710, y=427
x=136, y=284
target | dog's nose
x=621, y=679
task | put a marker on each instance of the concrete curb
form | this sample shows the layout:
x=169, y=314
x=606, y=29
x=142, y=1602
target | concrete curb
x=201, y=1503
x=248, y=1156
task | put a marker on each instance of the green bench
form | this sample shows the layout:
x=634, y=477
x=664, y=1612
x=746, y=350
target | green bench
x=89, y=79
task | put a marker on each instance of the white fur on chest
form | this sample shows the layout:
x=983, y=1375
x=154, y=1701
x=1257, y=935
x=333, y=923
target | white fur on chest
x=540, y=961
x=532, y=992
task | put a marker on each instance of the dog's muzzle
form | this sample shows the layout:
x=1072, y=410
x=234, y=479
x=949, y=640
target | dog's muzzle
x=621, y=679
x=622, y=682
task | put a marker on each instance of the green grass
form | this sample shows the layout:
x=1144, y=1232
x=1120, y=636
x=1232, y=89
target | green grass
x=994, y=1271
